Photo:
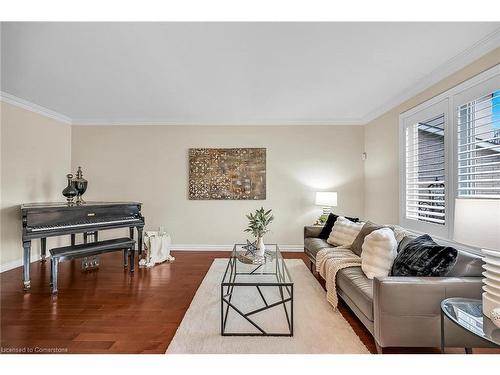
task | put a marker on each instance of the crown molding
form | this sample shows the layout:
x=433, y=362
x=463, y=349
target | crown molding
x=477, y=79
x=25, y=104
x=337, y=122
x=460, y=61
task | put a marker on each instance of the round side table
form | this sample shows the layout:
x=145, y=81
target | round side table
x=467, y=314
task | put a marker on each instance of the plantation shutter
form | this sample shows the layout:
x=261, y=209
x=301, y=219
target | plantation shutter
x=478, y=147
x=425, y=170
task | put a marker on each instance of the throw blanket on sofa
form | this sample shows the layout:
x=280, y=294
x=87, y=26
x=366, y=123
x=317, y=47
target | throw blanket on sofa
x=330, y=261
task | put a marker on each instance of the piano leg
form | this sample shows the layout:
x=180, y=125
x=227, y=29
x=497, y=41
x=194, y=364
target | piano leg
x=131, y=232
x=73, y=239
x=54, y=274
x=139, y=241
x=132, y=260
x=27, y=264
x=51, y=273
x=125, y=257
x=43, y=248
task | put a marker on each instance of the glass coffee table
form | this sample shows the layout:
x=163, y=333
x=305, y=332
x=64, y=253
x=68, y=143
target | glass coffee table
x=467, y=314
x=256, y=299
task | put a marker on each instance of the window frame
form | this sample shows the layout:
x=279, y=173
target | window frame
x=448, y=101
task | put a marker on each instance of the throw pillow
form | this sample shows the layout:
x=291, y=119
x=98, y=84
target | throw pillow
x=325, y=232
x=357, y=244
x=421, y=256
x=379, y=252
x=344, y=232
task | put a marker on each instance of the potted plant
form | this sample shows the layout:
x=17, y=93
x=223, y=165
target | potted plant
x=257, y=225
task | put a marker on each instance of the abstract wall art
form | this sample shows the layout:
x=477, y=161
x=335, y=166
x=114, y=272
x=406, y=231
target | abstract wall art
x=227, y=173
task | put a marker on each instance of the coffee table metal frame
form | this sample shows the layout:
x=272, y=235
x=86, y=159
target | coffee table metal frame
x=285, y=292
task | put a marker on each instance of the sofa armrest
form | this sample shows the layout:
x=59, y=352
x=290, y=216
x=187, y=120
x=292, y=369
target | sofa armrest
x=407, y=310
x=312, y=231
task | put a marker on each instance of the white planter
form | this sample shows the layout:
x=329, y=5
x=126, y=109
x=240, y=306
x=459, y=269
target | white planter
x=491, y=296
x=261, y=248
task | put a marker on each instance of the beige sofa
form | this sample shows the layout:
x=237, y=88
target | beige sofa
x=405, y=311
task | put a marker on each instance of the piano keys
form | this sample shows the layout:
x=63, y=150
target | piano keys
x=42, y=220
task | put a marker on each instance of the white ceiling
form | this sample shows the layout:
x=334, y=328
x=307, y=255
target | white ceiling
x=232, y=73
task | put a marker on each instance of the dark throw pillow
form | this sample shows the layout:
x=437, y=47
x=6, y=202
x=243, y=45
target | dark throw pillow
x=357, y=245
x=423, y=257
x=332, y=218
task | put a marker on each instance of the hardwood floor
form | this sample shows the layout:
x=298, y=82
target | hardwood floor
x=111, y=311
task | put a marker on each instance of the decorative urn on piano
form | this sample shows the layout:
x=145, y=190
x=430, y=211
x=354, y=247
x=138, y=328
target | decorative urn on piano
x=70, y=192
x=80, y=184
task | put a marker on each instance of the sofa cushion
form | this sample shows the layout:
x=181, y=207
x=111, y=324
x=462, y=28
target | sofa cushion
x=354, y=283
x=467, y=265
x=313, y=245
x=332, y=218
x=423, y=257
x=357, y=244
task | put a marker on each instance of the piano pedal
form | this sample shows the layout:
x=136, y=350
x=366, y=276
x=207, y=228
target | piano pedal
x=90, y=263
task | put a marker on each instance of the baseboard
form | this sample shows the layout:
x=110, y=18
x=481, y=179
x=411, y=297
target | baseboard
x=174, y=247
x=18, y=263
x=206, y=247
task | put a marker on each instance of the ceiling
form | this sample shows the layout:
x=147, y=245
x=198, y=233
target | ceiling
x=232, y=73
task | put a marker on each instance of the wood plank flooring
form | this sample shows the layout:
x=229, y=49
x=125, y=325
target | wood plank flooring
x=111, y=311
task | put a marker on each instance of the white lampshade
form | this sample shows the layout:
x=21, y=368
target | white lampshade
x=326, y=198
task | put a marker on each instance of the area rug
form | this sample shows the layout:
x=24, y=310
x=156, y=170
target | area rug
x=317, y=327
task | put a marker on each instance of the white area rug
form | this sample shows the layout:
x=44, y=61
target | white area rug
x=317, y=328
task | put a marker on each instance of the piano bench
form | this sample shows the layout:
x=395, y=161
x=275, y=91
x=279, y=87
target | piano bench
x=60, y=254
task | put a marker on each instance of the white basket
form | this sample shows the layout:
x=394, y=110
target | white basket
x=157, y=245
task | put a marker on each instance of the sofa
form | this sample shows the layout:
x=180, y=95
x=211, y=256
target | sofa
x=405, y=311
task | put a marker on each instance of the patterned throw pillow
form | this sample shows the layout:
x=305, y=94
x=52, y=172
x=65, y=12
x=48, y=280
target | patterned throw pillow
x=344, y=232
x=379, y=252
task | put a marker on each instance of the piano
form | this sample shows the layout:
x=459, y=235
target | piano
x=42, y=220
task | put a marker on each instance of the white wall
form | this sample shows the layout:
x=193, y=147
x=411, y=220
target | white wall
x=150, y=164
x=35, y=158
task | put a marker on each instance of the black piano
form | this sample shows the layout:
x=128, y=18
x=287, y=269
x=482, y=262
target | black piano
x=42, y=220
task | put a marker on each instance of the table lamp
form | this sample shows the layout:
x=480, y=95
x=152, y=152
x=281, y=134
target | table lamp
x=327, y=200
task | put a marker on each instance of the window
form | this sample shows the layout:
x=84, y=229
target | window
x=425, y=171
x=425, y=178
x=450, y=155
x=479, y=147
